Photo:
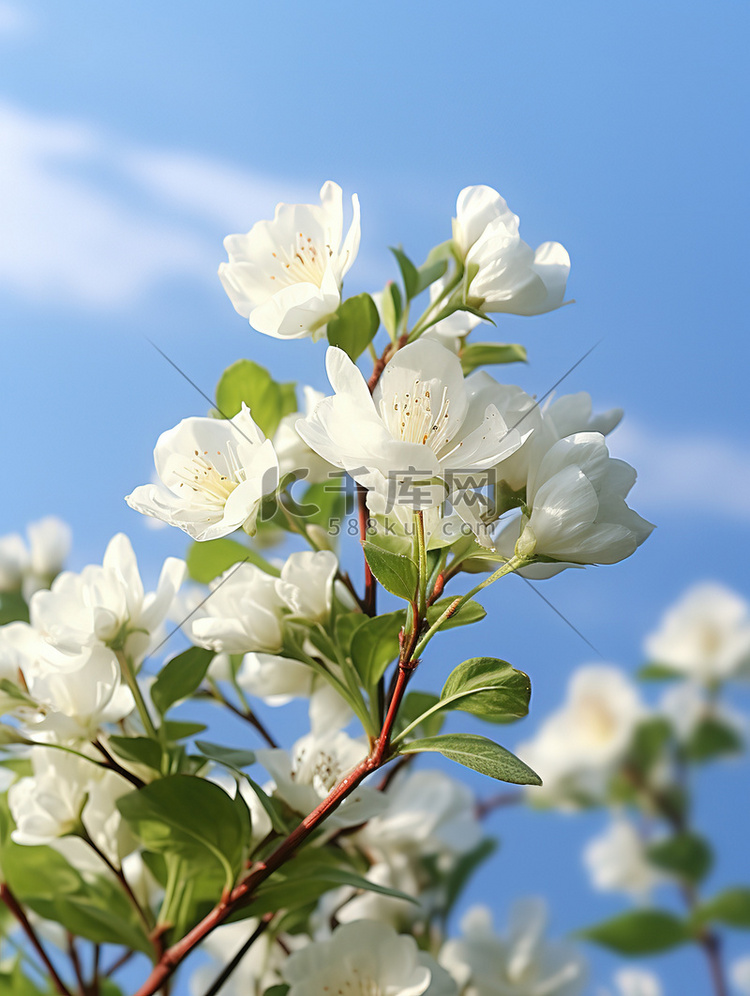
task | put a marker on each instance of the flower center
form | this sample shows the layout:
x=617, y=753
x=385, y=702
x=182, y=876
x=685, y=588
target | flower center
x=302, y=263
x=416, y=417
x=597, y=720
x=212, y=484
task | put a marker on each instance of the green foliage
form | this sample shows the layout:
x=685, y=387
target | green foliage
x=267, y=400
x=416, y=709
x=489, y=688
x=95, y=908
x=13, y=982
x=418, y=279
x=395, y=572
x=482, y=354
x=208, y=559
x=462, y=870
x=640, y=932
x=686, y=855
x=230, y=757
x=409, y=273
x=13, y=607
x=176, y=729
x=346, y=626
x=141, y=750
x=306, y=878
x=192, y=819
x=375, y=645
x=392, y=308
x=653, y=671
x=712, y=738
x=650, y=738
x=731, y=907
x=354, y=327
x=319, y=504
x=470, y=612
x=180, y=677
x=479, y=753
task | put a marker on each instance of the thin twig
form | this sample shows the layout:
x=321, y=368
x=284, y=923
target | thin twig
x=13, y=905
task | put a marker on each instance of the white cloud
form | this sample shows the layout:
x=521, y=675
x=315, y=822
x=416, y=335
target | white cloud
x=90, y=220
x=686, y=472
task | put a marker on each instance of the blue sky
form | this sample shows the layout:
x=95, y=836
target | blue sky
x=133, y=137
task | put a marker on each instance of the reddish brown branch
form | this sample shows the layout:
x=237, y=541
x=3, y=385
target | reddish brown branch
x=243, y=893
x=12, y=903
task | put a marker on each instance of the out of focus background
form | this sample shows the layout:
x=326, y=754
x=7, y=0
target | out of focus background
x=134, y=137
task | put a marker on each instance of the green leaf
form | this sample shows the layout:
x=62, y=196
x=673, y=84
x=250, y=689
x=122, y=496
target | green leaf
x=375, y=645
x=177, y=729
x=470, y=612
x=416, y=706
x=141, y=750
x=268, y=401
x=190, y=818
x=320, y=503
x=346, y=626
x=271, y=806
x=391, y=308
x=479, y=753
x=464, y=868
x=13, y=608
x=230, y=757
x=731, y=907
x=641, y=932
x=489, y=688
x=210, y=558
x=180, y=677
x=409, y=272
x=431, y=270
x=658, y=672
x=354, y=327
x=98, y=909
x=280, y=990
x=649, y=740
x=712, y=738
x=686, y=855
x=397, y=573
x=482, y=354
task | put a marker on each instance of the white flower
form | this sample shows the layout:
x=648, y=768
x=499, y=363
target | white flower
x=49, y=803
x=65, y=792
x=242, y=613
x=34, y=566
x=76, y=702
x=420, y=424
x=274, y=679
x=295, y=456
x=525, y=964
x=705, y=635
x=286, y=275
x=306, y=584
x=616, y=861
x=366, y=959
x=214, y=474
x=317, y=763
x=256, y=972
x=740, y=974
x=107, y=604
x=575, y=508
x=512, y=277
x=14, y=560
x=348, y=904
x=636, y=982
x=426, y=813
x=687, y=704
x=577, y=747
x=452, y=330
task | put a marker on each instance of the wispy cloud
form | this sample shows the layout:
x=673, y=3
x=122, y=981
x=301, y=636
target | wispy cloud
x=686, y=471
x=90, y=220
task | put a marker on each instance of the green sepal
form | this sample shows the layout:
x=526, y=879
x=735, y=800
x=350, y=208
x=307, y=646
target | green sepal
x=482, y=354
